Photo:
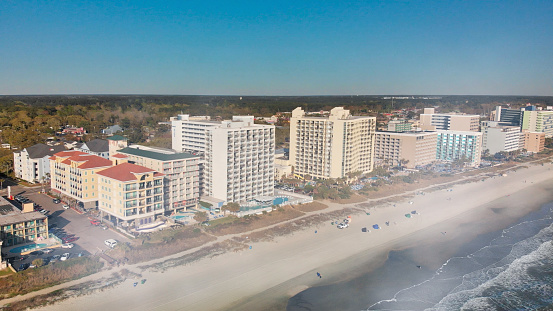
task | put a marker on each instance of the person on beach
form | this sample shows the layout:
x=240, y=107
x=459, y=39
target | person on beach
x=319, y=275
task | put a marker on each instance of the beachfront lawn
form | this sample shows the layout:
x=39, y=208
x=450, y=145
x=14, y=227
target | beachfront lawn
x=46, y=276
x=6, y=272
x=253, y=222
x=223, y=220
x=160, y=244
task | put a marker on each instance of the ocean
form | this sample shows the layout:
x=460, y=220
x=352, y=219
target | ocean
x=510, y=269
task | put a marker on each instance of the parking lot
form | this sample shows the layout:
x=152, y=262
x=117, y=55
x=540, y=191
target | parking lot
x=90, y=237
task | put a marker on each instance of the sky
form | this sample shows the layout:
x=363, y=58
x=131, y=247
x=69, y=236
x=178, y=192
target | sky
x=299, y=47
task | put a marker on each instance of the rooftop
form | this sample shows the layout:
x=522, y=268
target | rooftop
x=116, y=137
x=9, y=214
x=127, y=172
x=88, y=160
x=41, y=150
x=157, y=155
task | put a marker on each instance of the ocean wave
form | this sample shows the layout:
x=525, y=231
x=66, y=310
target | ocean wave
x=483, y=280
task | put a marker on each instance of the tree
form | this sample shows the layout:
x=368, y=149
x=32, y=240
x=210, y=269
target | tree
x=38, y=262
x=200, y=217
x=231, y=207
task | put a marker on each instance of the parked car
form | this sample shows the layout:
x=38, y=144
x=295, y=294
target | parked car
x=65, y=256
x=67, y=245
x=65, y=206
x=56, y=201
x=43, y=211
x=55, y=258
x=104, y=227
x=110, y=243
x=47, y=251
x=342, y=226
x=70, y=239
x=37, y=253
x=95, y=222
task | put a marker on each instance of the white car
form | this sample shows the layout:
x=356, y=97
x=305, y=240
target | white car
x=67, y=245
x=342, y=226
x=65, y=206
x=65, y=256
x=111, y=243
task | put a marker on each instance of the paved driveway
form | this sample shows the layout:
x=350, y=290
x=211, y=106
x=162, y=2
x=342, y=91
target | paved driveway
x=91, y=238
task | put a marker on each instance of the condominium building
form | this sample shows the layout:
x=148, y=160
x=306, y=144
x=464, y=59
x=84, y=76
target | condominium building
x=412, y=149
x=32, y=164
x=499, y=136
x=432, y=121
x=188, y=132
x=534, y=141
x=239, y=160
x=333, y=146
x=99, y=147
x=17, y=227
x=507, y=115
x=130, y=194
x=538, y=121
x=181, y=170
x=238, y=155
x=399, y=126
x=457, y=145
x=73, y=177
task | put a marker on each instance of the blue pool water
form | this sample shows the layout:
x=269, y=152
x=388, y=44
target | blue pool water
x=26, y=248
x=276, y=201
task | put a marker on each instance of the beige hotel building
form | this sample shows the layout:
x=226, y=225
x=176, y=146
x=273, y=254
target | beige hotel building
x=333, y=146
x=418, y=148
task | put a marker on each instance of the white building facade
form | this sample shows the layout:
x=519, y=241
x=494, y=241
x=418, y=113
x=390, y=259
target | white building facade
x=32, y=164
x=499, y=137
x=238, y=155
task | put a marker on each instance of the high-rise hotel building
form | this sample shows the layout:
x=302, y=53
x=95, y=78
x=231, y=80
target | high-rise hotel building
x=238, y=155
x=333, y=146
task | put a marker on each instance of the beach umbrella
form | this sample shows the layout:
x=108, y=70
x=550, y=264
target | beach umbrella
x=408, y=215
x=413, y=212
x=376, y=227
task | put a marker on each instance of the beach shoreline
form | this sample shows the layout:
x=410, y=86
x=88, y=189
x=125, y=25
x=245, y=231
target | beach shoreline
x=270, y=272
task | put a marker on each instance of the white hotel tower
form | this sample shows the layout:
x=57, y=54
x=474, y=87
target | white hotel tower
x=239, y=155
x=331, y=147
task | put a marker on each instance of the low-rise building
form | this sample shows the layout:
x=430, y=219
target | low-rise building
x=534, y=141
x=459, y=146
x=99, y=147
x=32, y=164
x=18, y=227
x=410, y=149
x=130, y=194
x=73, y=177
x=181, y=170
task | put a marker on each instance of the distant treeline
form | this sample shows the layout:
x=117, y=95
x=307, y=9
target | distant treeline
x=226, y=106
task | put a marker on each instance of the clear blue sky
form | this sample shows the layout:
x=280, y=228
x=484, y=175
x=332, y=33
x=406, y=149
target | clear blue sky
x=276, y=47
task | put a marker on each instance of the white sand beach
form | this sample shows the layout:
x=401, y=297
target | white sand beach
x=256, y=278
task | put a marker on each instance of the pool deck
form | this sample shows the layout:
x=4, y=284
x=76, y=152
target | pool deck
x=50, y=243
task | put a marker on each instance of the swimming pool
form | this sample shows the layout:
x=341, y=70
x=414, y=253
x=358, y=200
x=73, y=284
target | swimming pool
x=276, y=201
x=27, y=248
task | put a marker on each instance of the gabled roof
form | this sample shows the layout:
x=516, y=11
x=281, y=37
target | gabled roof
x=98, y=145
x=87, y=160
x=156, y=155
x=119, y=156
x=116, y=137
x=41, y=150
x=126, y=172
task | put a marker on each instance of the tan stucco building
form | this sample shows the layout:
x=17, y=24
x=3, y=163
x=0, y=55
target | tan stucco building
x=73, y=177
x=534, y=141
x=131, y=194
x=333, y=146
x=432, y=121
x=412, y=148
